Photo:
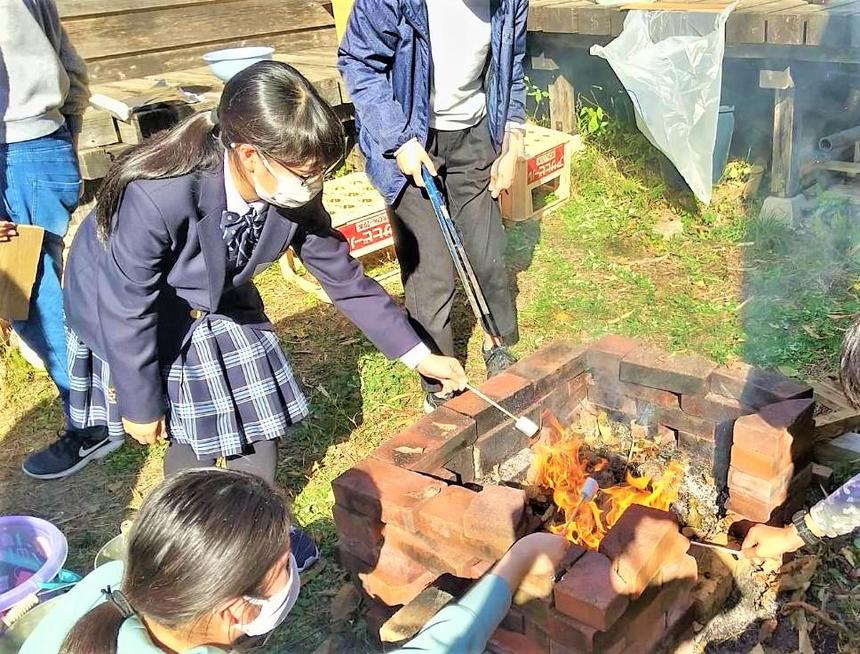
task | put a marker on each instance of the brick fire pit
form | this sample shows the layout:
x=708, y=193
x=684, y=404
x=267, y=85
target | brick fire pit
x=420, y=510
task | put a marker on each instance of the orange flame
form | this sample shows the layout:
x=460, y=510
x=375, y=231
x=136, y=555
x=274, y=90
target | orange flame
x=561, y=467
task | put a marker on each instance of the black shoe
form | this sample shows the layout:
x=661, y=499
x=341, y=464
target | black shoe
x=71, y=452
x=433, y=401
x=303, y=548
x=498, y=359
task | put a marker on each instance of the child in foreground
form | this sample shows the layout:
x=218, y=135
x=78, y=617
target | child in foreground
x=209, y=570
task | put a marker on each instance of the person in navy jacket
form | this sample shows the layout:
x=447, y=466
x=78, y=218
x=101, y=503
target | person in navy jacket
x=439, y=84
x=167, y=334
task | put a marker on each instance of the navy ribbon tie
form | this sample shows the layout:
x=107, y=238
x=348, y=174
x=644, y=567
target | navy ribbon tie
x=241, y=234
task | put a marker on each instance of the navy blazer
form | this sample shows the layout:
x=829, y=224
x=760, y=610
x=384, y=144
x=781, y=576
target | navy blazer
x=131, y=300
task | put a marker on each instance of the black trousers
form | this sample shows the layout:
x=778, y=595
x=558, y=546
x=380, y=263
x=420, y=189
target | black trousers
x=260, y=459
x=463, y=160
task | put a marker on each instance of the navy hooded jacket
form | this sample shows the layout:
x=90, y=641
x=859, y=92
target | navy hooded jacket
x=385, y=60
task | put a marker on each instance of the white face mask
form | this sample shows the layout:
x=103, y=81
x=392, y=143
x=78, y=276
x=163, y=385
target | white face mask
x=291, y=192
x=274, y=610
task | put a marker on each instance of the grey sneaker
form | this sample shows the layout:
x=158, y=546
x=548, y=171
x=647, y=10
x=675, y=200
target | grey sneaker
x=498, y=359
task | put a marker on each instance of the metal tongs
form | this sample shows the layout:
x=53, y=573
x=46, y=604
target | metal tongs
x=472, y=288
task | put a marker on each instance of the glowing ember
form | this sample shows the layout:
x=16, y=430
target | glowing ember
x=561, y=467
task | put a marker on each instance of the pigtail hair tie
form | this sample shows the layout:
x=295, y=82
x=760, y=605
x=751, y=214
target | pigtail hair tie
x=118, y=599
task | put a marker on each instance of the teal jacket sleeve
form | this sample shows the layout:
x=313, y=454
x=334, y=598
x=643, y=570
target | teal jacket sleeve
x=465, y=627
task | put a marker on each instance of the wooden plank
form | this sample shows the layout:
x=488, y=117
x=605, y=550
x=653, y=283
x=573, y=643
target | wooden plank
x=168, y=28
x=746, y=24
x=848, y=167
x=19, y=263
x=594, y=19
x=783, y=179
x=71, y=9
x=161, y=61
x=784, y=23
x=667, y=5
x=830, y=396
x=556, y=16
x=830, y=425
x=562, y=103
x=94, y=162
x=97, y=128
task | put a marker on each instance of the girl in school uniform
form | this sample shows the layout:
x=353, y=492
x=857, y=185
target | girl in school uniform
x=167, y=334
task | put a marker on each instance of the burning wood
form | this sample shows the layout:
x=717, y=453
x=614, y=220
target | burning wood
x=562, y=467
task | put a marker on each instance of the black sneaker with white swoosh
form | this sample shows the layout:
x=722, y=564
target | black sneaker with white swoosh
x=74, y=449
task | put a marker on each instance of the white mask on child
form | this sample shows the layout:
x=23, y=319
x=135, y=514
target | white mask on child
x=291, y=192
x=273, y=611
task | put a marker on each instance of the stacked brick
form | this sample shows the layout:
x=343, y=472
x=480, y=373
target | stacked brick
x=771, y=465
x=751, y=428
x=631, y=595
x=405, y=517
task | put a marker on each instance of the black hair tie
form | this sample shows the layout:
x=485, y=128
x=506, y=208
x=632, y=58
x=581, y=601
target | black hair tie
x=119, y=600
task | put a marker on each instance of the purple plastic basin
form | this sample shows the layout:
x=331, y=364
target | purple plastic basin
x=32, y=551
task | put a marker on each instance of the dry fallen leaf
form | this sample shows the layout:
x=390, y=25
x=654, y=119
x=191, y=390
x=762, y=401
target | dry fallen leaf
x=768, y=627
x=405, y=449
x=797, y=574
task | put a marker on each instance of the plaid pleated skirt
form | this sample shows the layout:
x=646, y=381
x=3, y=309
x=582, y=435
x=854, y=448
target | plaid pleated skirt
x=230, y=386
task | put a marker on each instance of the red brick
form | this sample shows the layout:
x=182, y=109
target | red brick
x=640, y=543
x=678, y=373
x=510, y=642
x=570, y=633
x=492, y=521
x=591, y=592
x=609, y=398
x=462, y=464
x=677, y=419
x=515, y=620
x=438, y=556
x=514, y=393
x=361, y=489
x=552, y=365
x=711, y=454
x=537, y=635
x=776, y=427
x=442, y=516
x=655, y=396
x=714, y=407
x=604, y=356
x=760, y=465
x=500, y=443
x=755, y=387
x=750, y=507
x=428, y=443
x=772, y=490
x=563, y=402
x=683, y=570
x=358, y=534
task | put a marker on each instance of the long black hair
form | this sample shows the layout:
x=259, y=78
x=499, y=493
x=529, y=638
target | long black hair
x=269, y=105
x=202, y=537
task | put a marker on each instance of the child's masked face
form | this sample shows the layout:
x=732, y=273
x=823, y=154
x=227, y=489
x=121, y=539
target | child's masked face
x=283, y=187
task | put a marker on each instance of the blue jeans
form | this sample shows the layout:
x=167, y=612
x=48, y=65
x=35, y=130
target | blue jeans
x=40, y=185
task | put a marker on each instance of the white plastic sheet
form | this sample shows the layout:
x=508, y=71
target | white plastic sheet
x=671, y=64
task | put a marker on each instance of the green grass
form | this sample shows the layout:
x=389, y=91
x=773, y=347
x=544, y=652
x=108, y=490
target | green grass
x=593, y=267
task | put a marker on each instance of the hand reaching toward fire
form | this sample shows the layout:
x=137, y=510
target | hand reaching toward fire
x=539, y=555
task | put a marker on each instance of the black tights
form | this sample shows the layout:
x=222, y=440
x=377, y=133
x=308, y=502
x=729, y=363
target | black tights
x=260, y=459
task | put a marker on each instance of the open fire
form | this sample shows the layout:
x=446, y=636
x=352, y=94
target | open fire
x=562, y=466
